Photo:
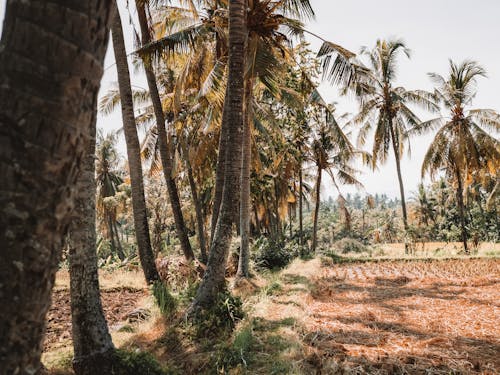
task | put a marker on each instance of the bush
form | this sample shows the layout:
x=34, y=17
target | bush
x=273, y=254
x=237, y=353
x=220, y=318
x=349, y=245
x=132, y=363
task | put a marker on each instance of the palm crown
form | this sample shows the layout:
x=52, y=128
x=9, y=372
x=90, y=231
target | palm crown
x=462, y=144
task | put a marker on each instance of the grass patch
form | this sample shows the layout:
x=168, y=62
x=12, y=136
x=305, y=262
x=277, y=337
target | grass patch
x=166, y=302
x=132, y=363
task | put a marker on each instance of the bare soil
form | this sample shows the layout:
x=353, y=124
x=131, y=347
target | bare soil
x=117, y=303
x=411, y=317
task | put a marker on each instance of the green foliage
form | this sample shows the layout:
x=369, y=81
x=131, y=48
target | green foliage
x=272, y=254
x=349, y=245
x=164, y=299
x=219, y=318
x=273, y=288
x=133, y=363
x=236, y=354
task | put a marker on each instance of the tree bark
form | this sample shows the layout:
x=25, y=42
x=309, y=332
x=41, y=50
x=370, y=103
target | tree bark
x=134, y=157
x=199, y=213
x=316, y=211
x=232, y=124
x=301, y=228
x=93, y=348
x=245, y=201
x=461, y=210
x=51, y=63
x=165, y=142
x=219, y=182
x=395, y=146
x=119, y=247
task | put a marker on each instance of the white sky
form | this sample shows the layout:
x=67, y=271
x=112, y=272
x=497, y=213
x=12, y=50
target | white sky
x=434, y=30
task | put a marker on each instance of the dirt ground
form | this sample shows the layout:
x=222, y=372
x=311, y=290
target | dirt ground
x=378, y=317
x=396, y=317
x=121, y=293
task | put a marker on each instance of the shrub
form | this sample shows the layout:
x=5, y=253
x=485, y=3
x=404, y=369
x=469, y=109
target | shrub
x=349, y=245
x=273, y=254
x=237, y=353
x=132, y=363
x=220, y=318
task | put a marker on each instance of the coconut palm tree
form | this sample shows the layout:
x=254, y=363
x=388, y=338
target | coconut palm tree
x=384, y=107
x=92, y=344
x=462, y=145
x=49, y=98
x=232, y=125
x=108, y=181
x=331, y=151
x=134, y=157
x=166, y=147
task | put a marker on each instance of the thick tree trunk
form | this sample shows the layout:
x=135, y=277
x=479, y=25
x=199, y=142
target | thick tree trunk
x=134, y=157
x=461, y=209
x=51, y=60
x=316, y=211
x=245, y=201
x=232, y=124
x=199, y=213
x=395, y=147
x=93, y=348
x=165, y=142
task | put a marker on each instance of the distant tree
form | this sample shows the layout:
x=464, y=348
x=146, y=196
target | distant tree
x=108, y=181
x=461, y=146
x=384, y=107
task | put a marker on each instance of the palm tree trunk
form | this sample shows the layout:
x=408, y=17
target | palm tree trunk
x=111, y=235
x=461, y=209
x=199, y=214
x=220, y=51
x=134, y=158
x=301, y=228
x=49, y=82
x=245, y=201
x=93, y=348
x=119, y=248
x=316, y=211
x=232, y=124
x=395, y=147
x=165, y=142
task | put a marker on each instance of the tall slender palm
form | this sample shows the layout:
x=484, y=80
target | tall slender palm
x=165, y=143
x=134, y=157
x=332, y=152
x=384, y=107
x=48, y=97
x=107, y=186
x=462, y=145
x=93, y=347
x=232, y=126
x=266, y=43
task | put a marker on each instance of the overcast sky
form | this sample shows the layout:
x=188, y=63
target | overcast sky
x=435, y=30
